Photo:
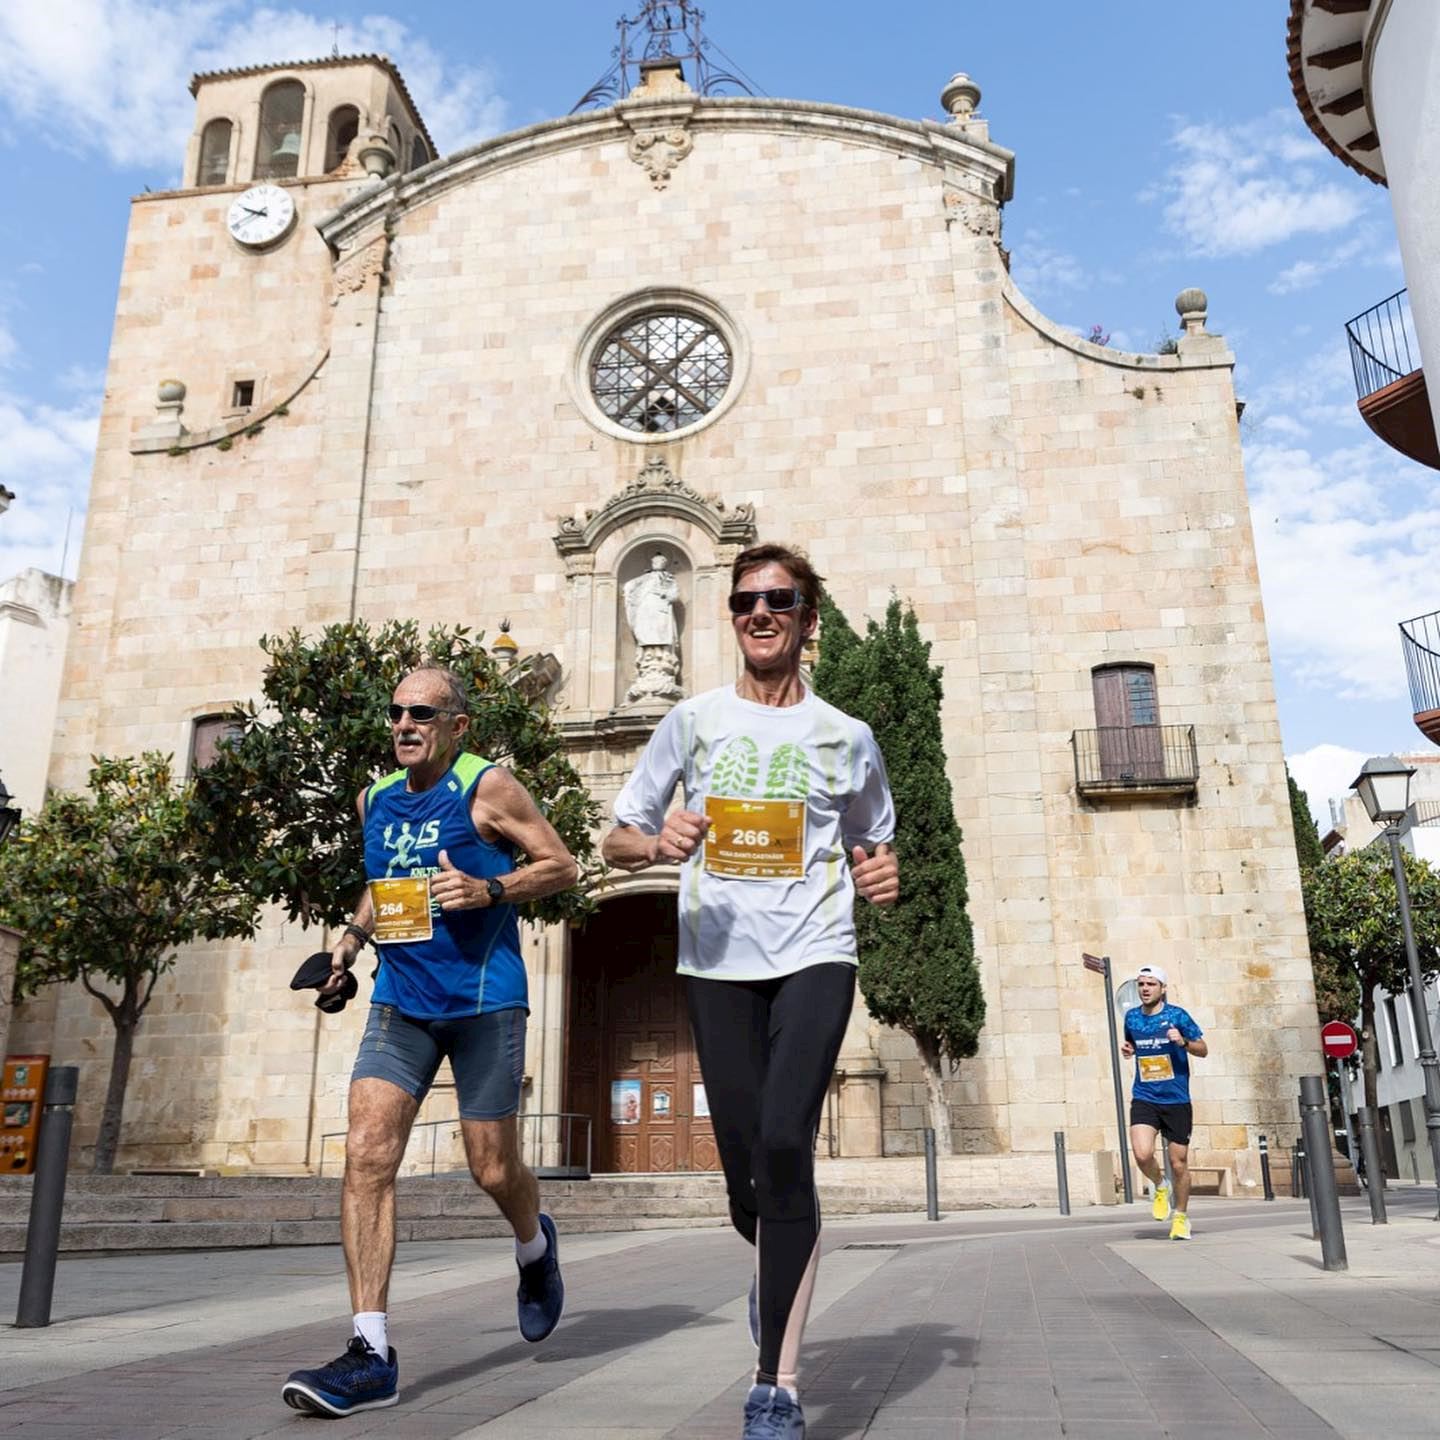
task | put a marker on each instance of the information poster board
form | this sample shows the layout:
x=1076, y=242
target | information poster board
x=22, y=1092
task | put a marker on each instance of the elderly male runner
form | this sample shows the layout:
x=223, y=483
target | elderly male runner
x=783, y=797
x=440, y=840
x=1162, y=1038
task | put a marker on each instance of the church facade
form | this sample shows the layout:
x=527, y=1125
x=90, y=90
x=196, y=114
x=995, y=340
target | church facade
x=541, y=377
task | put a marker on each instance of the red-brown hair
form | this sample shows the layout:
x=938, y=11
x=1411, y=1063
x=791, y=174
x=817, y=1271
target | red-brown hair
x=807, y=582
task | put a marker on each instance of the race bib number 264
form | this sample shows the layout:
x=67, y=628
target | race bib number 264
x=402, y=909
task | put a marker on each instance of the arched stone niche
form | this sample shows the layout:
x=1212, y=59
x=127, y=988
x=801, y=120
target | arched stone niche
x=657, y=513
x=634, y=562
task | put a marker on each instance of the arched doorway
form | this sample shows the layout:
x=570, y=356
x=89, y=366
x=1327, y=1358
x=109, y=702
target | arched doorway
x=631, y=1061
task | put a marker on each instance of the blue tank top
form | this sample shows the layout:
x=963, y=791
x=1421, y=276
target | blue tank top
x=472, y=964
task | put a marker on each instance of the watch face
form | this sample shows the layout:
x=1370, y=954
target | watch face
x=261, y=215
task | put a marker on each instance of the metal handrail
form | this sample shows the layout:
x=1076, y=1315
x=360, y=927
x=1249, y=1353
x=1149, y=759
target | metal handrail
x=533, y=1143
x=1135, y=756
x=1420, y=643
x=1381, y=348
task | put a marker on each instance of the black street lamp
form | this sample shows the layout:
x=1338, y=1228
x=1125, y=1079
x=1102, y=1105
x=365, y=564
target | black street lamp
x=1384, y=789
x=9, y=814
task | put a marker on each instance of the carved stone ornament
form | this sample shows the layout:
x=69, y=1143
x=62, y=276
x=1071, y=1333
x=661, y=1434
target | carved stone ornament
x=659, y=151
x=355, y=270
x=656, y=490
x=977, y=216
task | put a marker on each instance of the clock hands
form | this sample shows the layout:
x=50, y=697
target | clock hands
x=249, y=211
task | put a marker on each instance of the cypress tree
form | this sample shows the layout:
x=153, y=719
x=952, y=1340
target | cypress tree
x=917, y=959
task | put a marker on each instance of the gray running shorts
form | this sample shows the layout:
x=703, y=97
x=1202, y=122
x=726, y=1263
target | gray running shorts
x=486, y=1054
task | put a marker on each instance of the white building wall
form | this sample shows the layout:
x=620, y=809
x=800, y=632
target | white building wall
x=34, y=628
x=1405, y=103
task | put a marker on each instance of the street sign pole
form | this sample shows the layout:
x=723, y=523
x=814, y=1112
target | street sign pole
x=1339, y=1042
x=1345, y=1101
x=1101, y=963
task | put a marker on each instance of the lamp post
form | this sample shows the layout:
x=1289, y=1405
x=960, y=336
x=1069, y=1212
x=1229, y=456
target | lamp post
x=9, y=814
x=1384, y=788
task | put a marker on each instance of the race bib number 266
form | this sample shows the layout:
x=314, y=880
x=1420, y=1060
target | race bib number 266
x=755, y=839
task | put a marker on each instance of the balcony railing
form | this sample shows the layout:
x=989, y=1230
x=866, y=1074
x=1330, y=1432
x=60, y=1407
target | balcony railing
x=1131, y=759
x=1390, y=379
x=1382, y=345
x=1420, y=641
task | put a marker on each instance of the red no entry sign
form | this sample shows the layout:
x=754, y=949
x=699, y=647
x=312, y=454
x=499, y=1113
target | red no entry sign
x=1338, y=1040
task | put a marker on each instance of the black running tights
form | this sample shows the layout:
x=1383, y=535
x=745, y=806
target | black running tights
x=767, y=1052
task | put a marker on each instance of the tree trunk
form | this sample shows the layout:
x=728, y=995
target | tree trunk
x=108, y=1141
x=936, y=1105
x=1370, y=1057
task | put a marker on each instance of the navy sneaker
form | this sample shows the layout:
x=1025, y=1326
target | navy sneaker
x=540, y=1300
x=358, y=1380
x=770, y=1414
x=754, y=1311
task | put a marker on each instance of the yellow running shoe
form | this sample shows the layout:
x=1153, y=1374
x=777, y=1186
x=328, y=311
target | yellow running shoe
x=1180, y=1226
x=1160, y=1207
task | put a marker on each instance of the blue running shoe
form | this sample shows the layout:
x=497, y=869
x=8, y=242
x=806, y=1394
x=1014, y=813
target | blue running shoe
x=754, y=1311
x=540, y=1300
x=358, y=1380
x=770, y=1414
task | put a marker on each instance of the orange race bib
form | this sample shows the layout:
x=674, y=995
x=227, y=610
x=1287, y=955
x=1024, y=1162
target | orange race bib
x=1155, y=1067
x=402, y=909
x=755, y=839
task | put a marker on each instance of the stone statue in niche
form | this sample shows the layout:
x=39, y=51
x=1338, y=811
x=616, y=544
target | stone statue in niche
x=650, y=608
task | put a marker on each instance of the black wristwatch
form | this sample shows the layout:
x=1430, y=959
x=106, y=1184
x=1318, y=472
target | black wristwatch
x=495, y=890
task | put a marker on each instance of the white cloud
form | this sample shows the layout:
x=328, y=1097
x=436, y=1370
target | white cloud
x=1365, y=249
x=1324, y=773
x=109, y=76
x=46, y=461
x=1346, y=540
x=1042, y=270
x=1237, y=189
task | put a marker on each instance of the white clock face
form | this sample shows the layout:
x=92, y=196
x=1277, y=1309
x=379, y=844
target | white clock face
x=261, y=215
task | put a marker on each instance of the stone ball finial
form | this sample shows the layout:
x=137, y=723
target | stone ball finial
x=1191, y=305
x=1191, y=302
x=170, y=392
x=960, y=97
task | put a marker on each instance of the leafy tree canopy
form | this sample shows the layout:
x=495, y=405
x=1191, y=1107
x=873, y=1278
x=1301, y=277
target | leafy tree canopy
x=279, y=803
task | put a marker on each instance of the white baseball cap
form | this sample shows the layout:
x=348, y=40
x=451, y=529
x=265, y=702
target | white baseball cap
x=1153, y=971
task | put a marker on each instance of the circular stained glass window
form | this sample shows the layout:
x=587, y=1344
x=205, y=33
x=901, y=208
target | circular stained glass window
x=661, y=371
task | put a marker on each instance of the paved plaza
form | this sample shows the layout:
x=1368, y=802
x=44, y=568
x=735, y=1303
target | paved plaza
x=1008, y=1325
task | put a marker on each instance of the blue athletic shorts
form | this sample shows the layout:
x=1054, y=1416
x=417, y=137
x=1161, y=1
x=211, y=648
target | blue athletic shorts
x=486, y=1054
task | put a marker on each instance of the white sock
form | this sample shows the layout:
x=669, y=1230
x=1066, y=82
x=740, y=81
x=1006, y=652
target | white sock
x=373, y=1328
x=527, y=1252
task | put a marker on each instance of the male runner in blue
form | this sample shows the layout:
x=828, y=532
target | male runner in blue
x=441, y=834
x=1162, y=1038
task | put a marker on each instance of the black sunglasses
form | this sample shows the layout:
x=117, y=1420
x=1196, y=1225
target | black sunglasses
x=420, y=714
x=743, y=602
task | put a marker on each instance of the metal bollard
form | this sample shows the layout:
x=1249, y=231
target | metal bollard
x=1315, y=1110
x=1062, y=1180
x=1415, y=1167
x=1265, y=1168
x=932, y=1188
x=1297, y=1171
x=47, y=1198
x=1374, y=1173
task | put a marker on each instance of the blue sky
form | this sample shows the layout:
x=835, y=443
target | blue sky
x=1157, y=145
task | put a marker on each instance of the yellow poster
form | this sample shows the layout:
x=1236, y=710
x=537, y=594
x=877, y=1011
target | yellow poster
x=402, y=909
x=755, y=839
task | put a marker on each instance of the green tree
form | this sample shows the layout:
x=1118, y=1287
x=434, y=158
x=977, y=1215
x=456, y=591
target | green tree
x=917, y=959
x=1337, y=990
x=1353, y=914
x=279, y=801
x=105, y=887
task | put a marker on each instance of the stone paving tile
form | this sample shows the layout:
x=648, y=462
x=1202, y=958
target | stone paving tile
x=1043, y=1336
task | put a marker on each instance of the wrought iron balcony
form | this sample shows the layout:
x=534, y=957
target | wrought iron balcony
x=1420, y=640
x=1389, y=380
x=1136, y=759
